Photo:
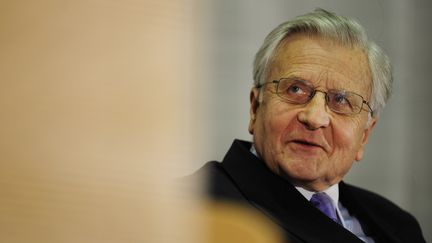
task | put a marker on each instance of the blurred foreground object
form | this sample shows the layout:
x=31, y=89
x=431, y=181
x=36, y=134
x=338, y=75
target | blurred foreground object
x=86, y=117
x=233, y=223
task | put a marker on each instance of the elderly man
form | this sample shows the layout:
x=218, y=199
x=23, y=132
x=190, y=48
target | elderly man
x=319, y=86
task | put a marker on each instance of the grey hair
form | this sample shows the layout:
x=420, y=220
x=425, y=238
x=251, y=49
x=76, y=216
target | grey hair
x=345, y=31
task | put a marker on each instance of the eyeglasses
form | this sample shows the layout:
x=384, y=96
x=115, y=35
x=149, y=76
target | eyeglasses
x=299, y=92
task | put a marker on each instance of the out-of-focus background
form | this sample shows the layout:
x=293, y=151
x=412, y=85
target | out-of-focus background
x=102, y=102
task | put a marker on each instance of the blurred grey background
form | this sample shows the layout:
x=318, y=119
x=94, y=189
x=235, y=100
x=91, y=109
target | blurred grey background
x=397, y=162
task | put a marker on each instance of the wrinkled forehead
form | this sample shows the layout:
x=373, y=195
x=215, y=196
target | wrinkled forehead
x=323, y=62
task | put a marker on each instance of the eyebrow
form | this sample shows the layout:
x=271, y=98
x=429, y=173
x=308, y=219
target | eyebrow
x=298, y=78
x=301, y=79
x=306, y=81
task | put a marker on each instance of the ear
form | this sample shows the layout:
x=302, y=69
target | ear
x=365, y=138
x=254, y=104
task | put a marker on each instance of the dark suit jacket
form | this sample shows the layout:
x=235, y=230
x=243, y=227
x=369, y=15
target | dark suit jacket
x=244, y=178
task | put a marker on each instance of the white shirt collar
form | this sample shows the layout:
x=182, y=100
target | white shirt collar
x=332, y=192
x=253, y=150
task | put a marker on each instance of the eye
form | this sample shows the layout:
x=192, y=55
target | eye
x=295, y=89
x=342, y=102
x=341, y=99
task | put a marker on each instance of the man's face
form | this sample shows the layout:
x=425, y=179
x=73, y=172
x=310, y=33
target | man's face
x=309, y=144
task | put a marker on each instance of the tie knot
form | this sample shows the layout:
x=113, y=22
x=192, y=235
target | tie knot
x=324, y=203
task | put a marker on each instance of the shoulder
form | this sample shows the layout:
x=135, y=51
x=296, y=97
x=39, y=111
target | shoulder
x=377, y=203
x=385, y=212
x=216, y=182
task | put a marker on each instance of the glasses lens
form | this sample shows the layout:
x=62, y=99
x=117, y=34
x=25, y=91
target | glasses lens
x=295, y=91
x=344, y=102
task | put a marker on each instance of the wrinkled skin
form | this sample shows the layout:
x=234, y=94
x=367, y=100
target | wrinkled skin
x=309, y=144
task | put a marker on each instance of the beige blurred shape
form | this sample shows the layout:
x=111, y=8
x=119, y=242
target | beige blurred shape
x=95, y=118
x=231, y=223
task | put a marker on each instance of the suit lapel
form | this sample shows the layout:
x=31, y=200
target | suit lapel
x=371, y=224
x=277, y=198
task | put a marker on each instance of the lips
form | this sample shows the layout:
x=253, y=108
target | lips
x=309, y=143
x=304, y=142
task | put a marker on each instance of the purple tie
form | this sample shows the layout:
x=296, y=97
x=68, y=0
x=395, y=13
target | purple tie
x=323, y=202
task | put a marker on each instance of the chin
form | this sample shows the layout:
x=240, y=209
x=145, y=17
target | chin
x=301, y=168
x=299, y=174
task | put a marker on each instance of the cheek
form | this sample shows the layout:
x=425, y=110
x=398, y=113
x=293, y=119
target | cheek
x=272, y=125
x=277, y=123
x=347, y=138
x=346, y=144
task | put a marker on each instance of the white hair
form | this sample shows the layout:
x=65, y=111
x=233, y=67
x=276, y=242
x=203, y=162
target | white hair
x=345, y=31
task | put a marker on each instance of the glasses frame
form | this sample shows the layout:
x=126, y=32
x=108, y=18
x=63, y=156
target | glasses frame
x=314, y=91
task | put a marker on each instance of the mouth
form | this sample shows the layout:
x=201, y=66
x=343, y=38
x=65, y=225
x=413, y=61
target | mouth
x=306, y=144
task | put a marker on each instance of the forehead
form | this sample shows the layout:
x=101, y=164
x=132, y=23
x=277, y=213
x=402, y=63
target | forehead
x=323, y=62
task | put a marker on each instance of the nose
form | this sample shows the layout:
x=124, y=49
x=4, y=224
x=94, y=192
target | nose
x=315, y=114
